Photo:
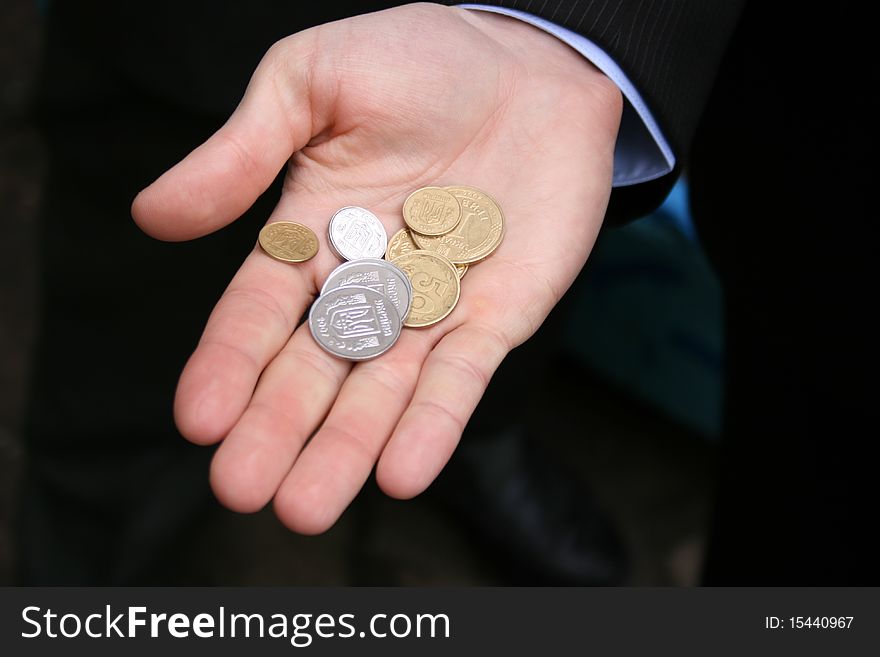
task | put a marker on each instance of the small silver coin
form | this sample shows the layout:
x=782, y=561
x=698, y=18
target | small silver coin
x=354, y=323
x=357, y=233
x=380, y=275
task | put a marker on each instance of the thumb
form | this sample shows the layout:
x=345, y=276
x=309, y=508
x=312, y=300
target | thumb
x=220, y=179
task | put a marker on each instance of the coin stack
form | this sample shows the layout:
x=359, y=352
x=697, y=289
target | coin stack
x=366, y=301
x=361, y=309
x=448, y=229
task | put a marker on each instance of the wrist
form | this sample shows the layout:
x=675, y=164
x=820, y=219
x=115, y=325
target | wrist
x=541, y=54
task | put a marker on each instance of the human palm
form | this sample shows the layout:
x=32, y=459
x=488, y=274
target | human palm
x=364, y=111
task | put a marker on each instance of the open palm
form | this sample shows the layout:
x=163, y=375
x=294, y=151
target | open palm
x=364, y=111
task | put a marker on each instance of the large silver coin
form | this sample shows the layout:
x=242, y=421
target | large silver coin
x=355, y=323
x=357, y=233
x=379, y=275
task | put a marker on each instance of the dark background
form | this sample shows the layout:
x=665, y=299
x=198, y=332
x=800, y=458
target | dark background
x=654, y=475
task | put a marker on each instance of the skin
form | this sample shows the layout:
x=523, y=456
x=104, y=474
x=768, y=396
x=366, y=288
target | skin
x=362, y=112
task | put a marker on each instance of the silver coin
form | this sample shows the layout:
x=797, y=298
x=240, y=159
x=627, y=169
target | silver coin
x=357, y=233
x=380, y=275
x=355, y=323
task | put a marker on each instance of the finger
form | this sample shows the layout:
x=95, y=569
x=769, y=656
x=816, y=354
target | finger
x=222, y=178
x=249, y=325
x=451, y=384
x=294, y=394
x=336, y=463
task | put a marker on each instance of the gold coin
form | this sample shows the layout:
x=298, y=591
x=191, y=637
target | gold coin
x=288, y=241
x=435, y=286
x=401, y=242
x=478, y=233
x=431, y=211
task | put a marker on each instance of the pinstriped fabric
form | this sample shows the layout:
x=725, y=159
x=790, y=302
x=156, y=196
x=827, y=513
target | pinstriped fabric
x=670, y=49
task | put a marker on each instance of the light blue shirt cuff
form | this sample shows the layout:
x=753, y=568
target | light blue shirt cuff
x=642, y=153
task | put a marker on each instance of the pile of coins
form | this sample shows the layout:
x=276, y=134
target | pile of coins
x=366, y=301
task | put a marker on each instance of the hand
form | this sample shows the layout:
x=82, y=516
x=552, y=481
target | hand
x=363, y=111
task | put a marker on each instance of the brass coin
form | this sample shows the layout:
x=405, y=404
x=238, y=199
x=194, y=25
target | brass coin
x=401, y=242
x=288, y=241
x=431, y=211
x=435, y=285
x=478, y=233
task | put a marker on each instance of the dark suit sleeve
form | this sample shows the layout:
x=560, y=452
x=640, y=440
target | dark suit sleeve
x=670, y=50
